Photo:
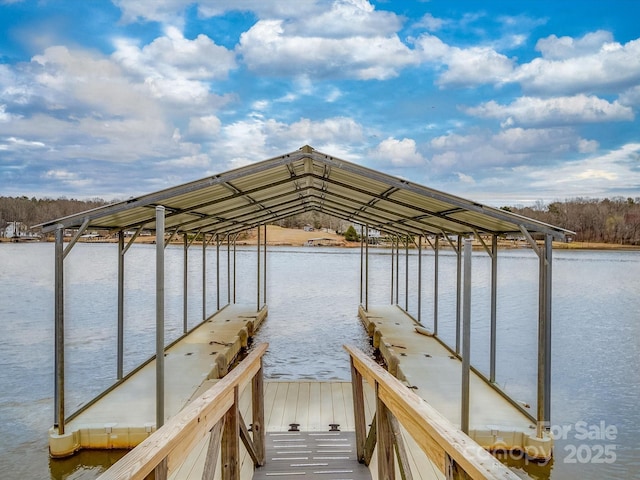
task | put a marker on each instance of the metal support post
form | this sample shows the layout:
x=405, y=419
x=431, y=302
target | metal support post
x=234, y=268
x=120, y=348
x=406, y=273
x=228, y=268
x=548, y=251
x=436, y=279
x=159, y=316
x=420, y=279
x=361, y=265
x=458, y=291
x=366, y=270
x=544, y=338
x=204, y=277
x=466, y=337
x=217, y=272
x=264, y=283
x=185, y=285
x=397, y=270
x=494, y=303
x=59, y=330
x=392, y=255
x=258, y=273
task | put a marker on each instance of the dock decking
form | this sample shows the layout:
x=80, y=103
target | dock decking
x=435, y=375
x=314, y=406
x=126, y=415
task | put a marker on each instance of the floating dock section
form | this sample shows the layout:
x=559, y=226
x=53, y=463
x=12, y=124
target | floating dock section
x=434, y=373
x=125, y=415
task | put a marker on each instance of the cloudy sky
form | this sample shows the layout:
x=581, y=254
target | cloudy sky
x=504, y=102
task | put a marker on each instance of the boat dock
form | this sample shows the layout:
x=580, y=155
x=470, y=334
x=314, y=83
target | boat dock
x=304, y=411
x=187, y=410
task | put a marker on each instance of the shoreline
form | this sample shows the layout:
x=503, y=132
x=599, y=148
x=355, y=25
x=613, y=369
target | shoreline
x=290, y=237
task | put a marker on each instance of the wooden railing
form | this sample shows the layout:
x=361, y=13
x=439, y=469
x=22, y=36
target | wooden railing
x=455, y=454
x=214, y=413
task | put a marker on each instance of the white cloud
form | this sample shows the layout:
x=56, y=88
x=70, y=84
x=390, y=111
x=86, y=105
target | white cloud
x=464, y=178
x=350, y=40
x=617, y=170
x=398, y=153
x=531, y=111
x=257, y=138
x=559, y=48
x=631, y=96
x=431, y=23
x=13, y=143
x=345, y=19
x=505, y=149
x=85, y=82
x=4, y=116
x=465, y=66
x=591, y=63
x=175, y=68
x=262, y=8
x=204, y=128
x=165, y=11
x=174, y=56
x=68, y=178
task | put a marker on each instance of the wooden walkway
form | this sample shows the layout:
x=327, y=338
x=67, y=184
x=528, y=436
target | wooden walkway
x=314, y=406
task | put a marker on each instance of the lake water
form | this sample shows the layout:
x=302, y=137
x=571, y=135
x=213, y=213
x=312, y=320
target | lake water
x=313, y=296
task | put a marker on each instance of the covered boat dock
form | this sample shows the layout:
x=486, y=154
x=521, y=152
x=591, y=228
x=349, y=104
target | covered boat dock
x=216, y=209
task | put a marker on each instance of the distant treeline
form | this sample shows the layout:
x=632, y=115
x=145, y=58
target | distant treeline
x=615, y=220
x=32, y=211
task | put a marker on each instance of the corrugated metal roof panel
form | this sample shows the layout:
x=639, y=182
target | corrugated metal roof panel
x=301, y=181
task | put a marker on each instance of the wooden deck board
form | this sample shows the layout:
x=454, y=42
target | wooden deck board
x=302, y=407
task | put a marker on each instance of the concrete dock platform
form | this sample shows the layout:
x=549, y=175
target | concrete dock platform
x=434, y=374
x=125, y=416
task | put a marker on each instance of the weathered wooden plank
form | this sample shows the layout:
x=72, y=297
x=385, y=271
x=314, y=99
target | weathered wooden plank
x=291, y=403
x=315, y=406
x=370, y=443
x=213, y=451
x=347, y=394
x=162, y=470
x=302, y=408
x=386, y=468
x=326, y=406
x=257, y=415
x=358, y=412
x=270, y=390
x=230, y=447
x=339, y=405
x=277, y=422
x=401, y=450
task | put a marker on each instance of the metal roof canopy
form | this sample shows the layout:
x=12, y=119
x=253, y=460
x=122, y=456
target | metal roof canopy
x=301, y=181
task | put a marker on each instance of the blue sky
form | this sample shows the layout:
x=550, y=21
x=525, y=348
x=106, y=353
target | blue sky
x=503, y=102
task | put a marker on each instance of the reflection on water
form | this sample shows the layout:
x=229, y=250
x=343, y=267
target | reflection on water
x=85, y=465
x=312, y=297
